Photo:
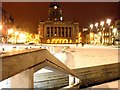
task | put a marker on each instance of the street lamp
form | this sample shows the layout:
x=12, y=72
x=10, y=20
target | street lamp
x=0, y=26
x=23, y=38
x=102, y=32
x=91, y=26
x=91, y=33
x=10, y=31
x=114, y=31
x=0, y=32
x=102, y=23
x=114, y=35
x=96, y=25
x=16, y=34
x=108, y=21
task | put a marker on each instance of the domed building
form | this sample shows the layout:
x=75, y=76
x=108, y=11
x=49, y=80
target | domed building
x=55, y=29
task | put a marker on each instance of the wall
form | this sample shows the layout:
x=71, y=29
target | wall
x=88, y=76
x=50, y=80
x=98, y=74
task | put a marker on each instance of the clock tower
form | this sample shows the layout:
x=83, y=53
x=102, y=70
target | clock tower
x=55, y=12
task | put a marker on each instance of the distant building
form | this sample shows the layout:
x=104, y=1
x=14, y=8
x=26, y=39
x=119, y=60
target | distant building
x=117, y=32
x=56, y=30
x=5, y=23
x=106, y=34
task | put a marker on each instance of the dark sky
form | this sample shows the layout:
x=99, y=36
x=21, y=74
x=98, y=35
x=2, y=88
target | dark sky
x=27, y=15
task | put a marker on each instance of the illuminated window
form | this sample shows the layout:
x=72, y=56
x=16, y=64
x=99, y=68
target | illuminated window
x=48, y=41
x=70, y=41
x=62, y=41
x=66, y=41
x=105, y=34
x=107, y=40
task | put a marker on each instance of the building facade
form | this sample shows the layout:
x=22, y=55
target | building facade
x=6, y=22
x=105, y=35
x=55, y=29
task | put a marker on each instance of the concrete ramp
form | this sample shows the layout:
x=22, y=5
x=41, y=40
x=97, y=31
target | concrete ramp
x=95, y=75
x=21, y=65
x=16, y=62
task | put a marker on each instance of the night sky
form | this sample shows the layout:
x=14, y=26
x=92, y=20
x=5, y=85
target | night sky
x=27, y=15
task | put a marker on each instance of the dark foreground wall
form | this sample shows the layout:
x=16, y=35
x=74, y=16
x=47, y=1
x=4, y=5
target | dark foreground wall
x=89, y=76
x=50, y=80
x=98, y=74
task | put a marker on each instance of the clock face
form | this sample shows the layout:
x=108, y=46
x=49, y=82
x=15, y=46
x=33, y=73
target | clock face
x=55, y=7
x=61, y=18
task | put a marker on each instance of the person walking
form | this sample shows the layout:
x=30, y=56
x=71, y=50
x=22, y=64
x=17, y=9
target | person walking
x=82, y=44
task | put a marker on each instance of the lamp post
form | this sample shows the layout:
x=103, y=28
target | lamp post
x=114, y=35
x=0, y=26
x=96, y=25
x=0, y=32
x=108, y=21
x=91, y=33
x=96, y=34
x=16, y=34
x=102, y=23
x=10, y=31
x=114, y=31
x=102, y=32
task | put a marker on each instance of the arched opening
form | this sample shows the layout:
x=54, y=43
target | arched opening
x=48, y=41
x=62, y=41
x=49, y=77
x=76, y=40
x=70, y=41
x=66, y=41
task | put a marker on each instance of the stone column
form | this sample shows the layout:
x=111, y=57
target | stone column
x=50, y=32
x=64, y=32
x=77, y=80
x=53, y=31
x=57, y=32
x=61, y=32
x=71, y=80
x=45, y=31
x=23, y=79
x=71, y=31
x=68, y=32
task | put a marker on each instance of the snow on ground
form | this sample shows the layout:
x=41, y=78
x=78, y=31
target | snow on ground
x=79, y=57
x=87, y=56
x=113, y=84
